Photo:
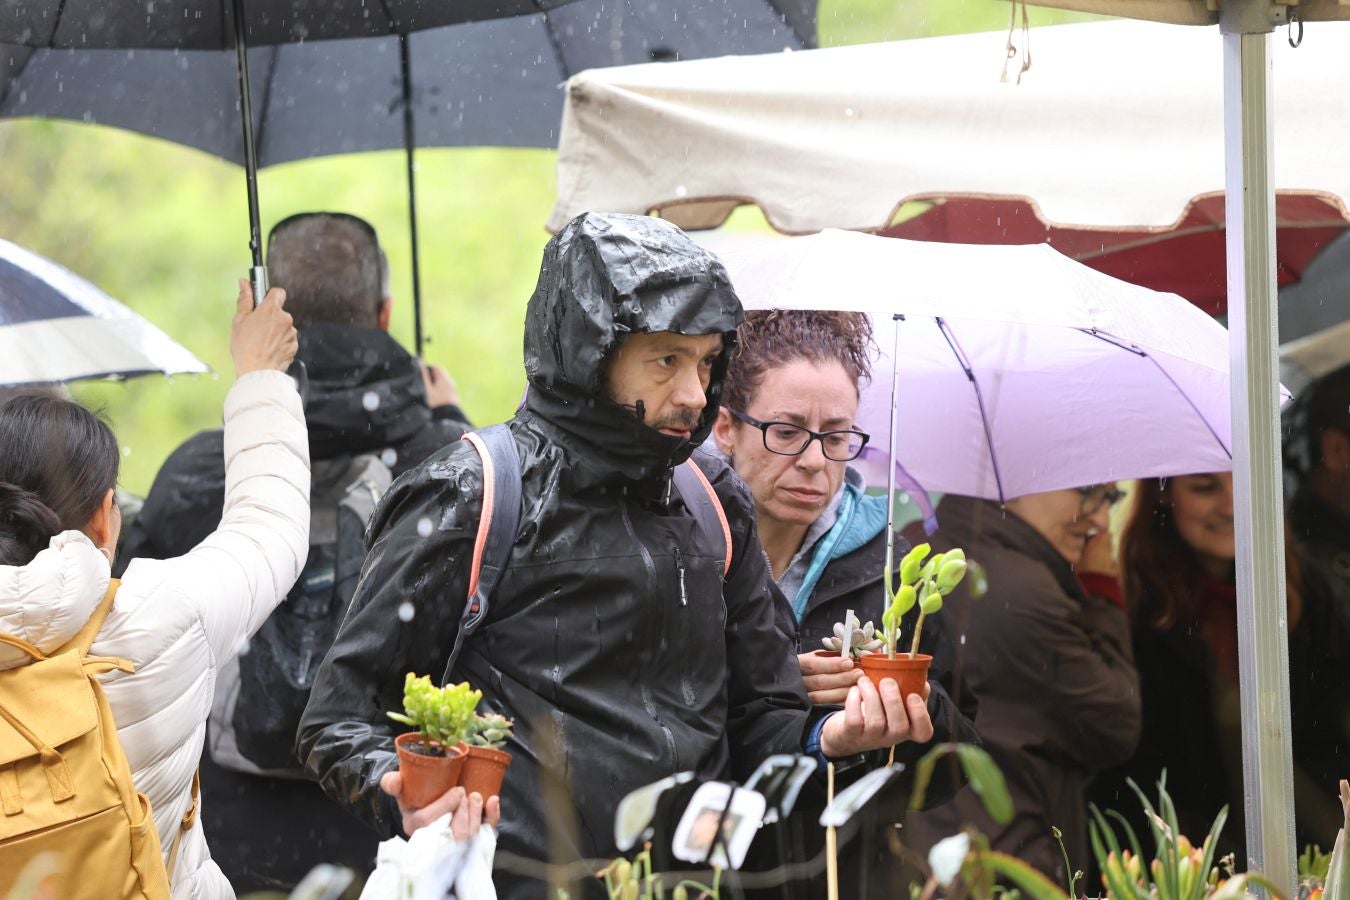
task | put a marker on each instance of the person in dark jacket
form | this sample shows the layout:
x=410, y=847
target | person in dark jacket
x=1320, y=510
x=1178, y=554
x=366, y=395
x=1047, y=651
x=613, y=640
x=787, y=427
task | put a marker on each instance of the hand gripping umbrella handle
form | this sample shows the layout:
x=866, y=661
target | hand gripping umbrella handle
x=257, y=276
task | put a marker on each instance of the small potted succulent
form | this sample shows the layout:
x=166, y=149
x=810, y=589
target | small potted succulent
x=431, y=757
x=486, y=762
x=852, y=638
x=922, y=583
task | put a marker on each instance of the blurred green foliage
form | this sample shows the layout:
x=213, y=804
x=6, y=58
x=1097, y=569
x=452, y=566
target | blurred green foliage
x=164, y=229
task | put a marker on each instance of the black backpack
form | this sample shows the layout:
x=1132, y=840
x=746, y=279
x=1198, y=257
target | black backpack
x=261, y=692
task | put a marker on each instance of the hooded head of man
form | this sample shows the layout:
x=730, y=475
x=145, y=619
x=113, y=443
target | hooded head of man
x=627, y=335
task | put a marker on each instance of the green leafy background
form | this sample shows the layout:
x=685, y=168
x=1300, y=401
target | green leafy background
x=164, y=229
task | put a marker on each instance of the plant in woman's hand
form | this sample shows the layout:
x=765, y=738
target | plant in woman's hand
x=923, y=584
x=852, y=639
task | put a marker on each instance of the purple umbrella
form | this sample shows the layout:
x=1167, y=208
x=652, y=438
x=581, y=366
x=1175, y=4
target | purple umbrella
x=1018, y=369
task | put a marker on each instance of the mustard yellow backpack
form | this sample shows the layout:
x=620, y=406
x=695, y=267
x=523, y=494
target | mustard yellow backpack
x=72, y=825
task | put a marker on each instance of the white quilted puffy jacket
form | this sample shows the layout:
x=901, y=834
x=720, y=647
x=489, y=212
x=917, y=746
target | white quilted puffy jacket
x=178, y=619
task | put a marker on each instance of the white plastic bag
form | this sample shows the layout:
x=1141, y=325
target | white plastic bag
x=433, y=864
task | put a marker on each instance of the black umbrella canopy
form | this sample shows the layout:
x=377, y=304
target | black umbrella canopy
x=209, y=24
x=1321, y=298
x=489, y=83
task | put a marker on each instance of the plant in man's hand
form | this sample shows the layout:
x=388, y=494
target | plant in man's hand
x=443, y=715
x=491, y=731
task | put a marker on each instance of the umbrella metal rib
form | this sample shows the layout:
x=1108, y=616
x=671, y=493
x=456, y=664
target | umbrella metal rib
x=1138, y=351
x=964, y=362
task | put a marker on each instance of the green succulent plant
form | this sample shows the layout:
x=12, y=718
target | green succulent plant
x=491, y=731
x=443, y=715
x=923, y=584
x=852, y=638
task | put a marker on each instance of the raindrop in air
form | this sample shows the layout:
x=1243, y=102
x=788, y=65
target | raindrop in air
x=424, y=527
x=371, y=401
x=681, y=190
x=242, y=648
x=389, y=457
x=406, y=611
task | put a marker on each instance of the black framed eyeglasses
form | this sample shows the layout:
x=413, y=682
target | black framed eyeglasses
x=1093, y=498
x=787, y=439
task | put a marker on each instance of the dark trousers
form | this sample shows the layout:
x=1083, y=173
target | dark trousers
x=267, y=833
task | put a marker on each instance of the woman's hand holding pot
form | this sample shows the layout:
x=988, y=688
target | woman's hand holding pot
x=827, y=678
x=873, y=720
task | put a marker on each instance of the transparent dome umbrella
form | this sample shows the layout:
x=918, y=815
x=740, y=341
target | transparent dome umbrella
x=55, y=326
x=495, y=82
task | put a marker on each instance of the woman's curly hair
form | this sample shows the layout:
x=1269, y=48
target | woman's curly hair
x=771, y=338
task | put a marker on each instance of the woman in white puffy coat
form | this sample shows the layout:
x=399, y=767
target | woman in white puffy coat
x=176, y=620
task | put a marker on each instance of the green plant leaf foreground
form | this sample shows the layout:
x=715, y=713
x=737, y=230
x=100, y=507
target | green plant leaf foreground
x=982, y=773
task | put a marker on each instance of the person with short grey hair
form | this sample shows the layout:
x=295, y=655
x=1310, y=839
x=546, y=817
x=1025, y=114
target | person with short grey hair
x=373, y=412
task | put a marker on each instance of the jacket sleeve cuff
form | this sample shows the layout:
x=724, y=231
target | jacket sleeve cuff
x=813, y=745
x=1101, y=585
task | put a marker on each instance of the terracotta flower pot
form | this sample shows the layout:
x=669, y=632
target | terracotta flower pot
x=427, y=776
x=484, y=769
x=909, y=674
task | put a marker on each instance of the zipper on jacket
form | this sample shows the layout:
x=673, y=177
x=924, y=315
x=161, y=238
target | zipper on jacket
x=679, y=567
x=659, y=624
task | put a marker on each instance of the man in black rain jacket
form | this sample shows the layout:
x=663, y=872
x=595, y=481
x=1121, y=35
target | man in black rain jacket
x=366, y=395
x=613, y=640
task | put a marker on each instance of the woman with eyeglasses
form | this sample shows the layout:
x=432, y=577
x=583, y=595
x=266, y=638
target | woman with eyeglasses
x=787, y=427
x=1046, y=651
x=1178, y=553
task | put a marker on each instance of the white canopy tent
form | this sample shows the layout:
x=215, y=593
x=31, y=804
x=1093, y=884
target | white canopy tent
x=1117, y=124
x=1139, y=119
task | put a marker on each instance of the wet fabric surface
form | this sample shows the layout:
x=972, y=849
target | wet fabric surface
x=612, y=640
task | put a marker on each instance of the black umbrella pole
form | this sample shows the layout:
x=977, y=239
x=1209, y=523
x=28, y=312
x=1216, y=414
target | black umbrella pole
x=258, y=273
x=409, y=149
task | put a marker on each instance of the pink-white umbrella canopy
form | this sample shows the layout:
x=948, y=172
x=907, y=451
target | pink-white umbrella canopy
x=1020, y=370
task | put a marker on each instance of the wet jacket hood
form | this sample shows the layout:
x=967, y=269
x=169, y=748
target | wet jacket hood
x=365, y=391
x=605, y=276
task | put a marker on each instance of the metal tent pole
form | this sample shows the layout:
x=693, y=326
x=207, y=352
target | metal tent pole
x=409, y=148
x=1258, y=497
x=892, y=456
x=258, y=273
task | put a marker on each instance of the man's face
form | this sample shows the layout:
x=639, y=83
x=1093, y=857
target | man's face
x=668, y=373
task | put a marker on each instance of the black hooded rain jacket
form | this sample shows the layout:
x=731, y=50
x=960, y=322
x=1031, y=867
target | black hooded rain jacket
x=613, y=678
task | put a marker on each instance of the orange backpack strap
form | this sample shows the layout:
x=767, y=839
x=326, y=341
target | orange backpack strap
x=185, y=824
x=698, y=494
x=84, y=638
x=498, y=525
